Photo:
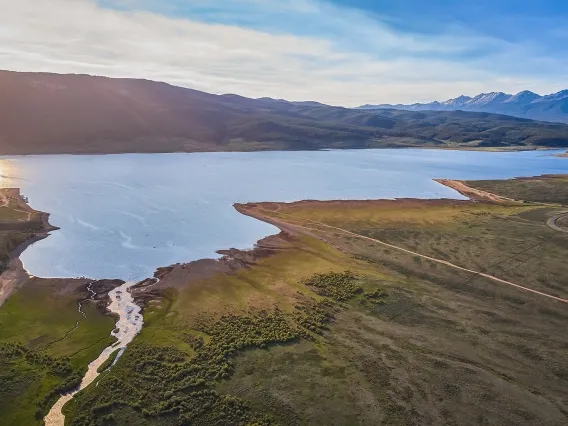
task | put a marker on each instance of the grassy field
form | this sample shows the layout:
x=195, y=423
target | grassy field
x=543, y=189
x=43, y=322
x=332, y=329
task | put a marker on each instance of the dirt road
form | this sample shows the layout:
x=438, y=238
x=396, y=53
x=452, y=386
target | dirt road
x=474, y=193
x=479, y=195
x=553, y=222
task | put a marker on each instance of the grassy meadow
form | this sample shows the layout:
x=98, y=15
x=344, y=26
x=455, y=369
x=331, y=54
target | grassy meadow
x=43, y=322
x=543, y=189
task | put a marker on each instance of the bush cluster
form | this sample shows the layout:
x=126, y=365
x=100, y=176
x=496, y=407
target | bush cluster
x=169, y=384
x=340, y=286
x=377, y=297
x=15, y=354
x=59, y=367
x=163, y=381
x=313, y=316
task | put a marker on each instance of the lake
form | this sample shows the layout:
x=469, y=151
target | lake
x=122, y=216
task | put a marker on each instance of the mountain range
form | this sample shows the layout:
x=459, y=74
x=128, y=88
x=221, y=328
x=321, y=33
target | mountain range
x=43, y=113
x=526, y=104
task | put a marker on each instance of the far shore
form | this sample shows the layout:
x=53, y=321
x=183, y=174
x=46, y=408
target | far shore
x=450, y=147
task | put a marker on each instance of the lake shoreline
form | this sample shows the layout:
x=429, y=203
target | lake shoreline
x=16, y=274
x=231, y=259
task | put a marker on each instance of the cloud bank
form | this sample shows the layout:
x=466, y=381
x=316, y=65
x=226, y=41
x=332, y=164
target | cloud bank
x=293, y=49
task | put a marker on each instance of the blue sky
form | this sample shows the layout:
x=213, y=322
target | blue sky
x=336, y=51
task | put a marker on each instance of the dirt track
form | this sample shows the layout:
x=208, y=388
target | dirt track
x=479, y=195
x=474, y=193
x=553, y=222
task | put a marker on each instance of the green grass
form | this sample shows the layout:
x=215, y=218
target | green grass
x=28, y=317
x=160, y=381
x=441, y=346
x=184, y=349
x=30, y=381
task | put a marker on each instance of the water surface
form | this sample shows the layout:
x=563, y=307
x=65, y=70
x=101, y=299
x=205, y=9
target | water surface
x=122, y=216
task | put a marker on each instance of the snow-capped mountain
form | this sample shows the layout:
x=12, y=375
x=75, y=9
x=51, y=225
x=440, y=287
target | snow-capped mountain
x=485, y=99
x=457, y=102
x=526, y=104
x=526, y=96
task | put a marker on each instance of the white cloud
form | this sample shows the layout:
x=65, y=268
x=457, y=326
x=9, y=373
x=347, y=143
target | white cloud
x=80, y=36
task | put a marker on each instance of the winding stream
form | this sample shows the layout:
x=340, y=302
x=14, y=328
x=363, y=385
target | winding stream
x=128, y=326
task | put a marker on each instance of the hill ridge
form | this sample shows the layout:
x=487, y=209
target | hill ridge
x=44, y=113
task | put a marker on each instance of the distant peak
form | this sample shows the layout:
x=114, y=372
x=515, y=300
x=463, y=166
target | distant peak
x=556, y=96
x=490, y=95
x=460, y=100
x=524, y=96
x=489, y=98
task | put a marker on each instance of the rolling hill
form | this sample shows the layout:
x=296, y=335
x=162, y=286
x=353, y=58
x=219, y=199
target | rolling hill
x=51, y=113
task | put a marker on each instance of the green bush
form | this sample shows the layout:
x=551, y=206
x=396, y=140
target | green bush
x=163, y=381
x=340, y=286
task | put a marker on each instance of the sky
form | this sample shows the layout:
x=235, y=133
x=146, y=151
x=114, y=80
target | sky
x=340, y=52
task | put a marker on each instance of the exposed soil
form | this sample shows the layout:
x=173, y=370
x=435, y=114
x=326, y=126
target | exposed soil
x=13, y=278
x=474, y=193
x=232, y=260
x=556, y=222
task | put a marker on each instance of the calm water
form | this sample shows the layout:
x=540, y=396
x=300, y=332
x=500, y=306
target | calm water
x=122, y=216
